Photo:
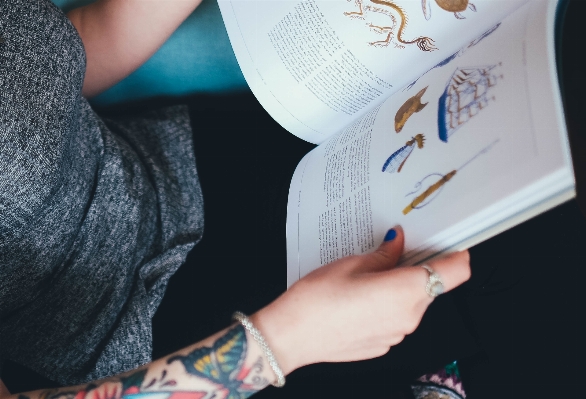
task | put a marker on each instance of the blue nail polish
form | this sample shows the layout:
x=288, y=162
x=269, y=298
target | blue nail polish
x=391, y=234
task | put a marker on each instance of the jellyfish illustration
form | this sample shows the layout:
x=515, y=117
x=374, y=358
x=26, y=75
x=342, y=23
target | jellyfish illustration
x=467, y=93
x=397, y=160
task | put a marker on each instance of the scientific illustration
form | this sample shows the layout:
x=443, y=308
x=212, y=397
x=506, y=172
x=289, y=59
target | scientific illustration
x=480, y=38
x=455, y=6
x=427, y=196
x=396, y=161
x=411, y=106
x=394, y=12
x=467, y=93
x=439, y=181
x=457, y=54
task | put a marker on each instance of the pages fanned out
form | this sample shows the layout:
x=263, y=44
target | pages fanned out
x=316, y=66
x=450, y=125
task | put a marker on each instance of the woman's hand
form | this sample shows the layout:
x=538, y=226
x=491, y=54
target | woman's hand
x=352, y=309
x=3, y=391
x=355, y=308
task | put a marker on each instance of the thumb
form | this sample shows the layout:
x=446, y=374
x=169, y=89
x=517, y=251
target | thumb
x=388, y=253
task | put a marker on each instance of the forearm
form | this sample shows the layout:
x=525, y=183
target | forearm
x=229, y=362
x=355, y=308
x=120, y=35
x=3, y=390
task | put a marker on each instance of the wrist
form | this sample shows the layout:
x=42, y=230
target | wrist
x=278, y=326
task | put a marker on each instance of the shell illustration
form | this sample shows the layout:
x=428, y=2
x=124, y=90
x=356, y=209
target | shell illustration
x=455, y=6
x=411, y=106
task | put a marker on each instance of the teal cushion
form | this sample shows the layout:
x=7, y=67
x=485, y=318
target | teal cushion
x=198, y=58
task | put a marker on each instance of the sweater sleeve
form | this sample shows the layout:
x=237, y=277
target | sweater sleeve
x=34, y=129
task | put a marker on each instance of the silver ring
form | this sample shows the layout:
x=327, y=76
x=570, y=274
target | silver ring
x=435, y=285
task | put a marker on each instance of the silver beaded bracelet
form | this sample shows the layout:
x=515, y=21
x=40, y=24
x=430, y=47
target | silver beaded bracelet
x=245, y=321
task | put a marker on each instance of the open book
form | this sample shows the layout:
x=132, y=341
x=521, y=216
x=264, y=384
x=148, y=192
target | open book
x=443, y=116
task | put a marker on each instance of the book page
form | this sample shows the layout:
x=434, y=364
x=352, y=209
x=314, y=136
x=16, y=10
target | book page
x=467, y=148
x=318, y=65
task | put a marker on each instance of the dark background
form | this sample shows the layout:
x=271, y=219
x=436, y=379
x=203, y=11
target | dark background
x=515, y=327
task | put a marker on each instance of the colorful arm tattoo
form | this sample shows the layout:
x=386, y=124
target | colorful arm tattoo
x=217, y=372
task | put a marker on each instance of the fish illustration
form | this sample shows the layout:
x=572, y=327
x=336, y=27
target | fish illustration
x=410, y=107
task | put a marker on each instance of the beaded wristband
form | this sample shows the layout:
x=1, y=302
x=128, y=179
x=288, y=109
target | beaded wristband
x=245, y=321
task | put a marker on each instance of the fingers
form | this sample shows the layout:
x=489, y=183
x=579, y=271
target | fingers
x=388, y=253
x=454, y=269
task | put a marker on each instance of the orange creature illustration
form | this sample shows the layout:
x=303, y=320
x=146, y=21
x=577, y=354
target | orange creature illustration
x=455, y=6
x=411, y=106
x=389, y=8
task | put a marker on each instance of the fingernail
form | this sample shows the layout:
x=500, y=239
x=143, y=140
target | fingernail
x=391, y=234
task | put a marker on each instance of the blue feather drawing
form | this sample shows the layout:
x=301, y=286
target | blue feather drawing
x=397, y=160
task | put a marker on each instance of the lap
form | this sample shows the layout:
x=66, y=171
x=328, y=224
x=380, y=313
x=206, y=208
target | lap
x=245, y=162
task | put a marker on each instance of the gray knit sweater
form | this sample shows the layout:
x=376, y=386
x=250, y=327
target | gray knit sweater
x=95, y=215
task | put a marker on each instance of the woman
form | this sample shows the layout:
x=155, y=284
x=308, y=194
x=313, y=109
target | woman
x=96, y=215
